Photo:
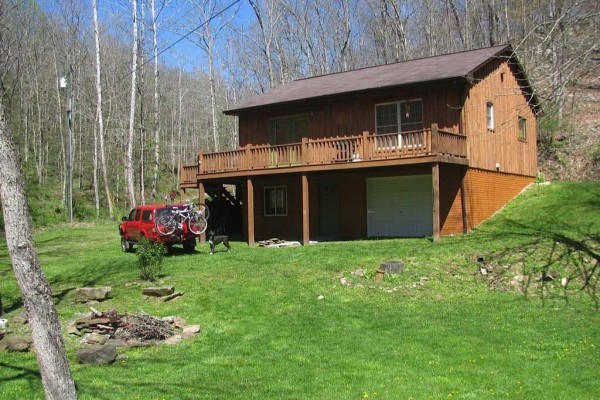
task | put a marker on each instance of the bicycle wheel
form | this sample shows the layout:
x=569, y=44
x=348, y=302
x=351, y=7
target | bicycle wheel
x=202, y=210
x=197, y=224
x=166, y=225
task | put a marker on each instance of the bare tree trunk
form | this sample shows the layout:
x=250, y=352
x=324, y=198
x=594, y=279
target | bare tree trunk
x=37, y=297
x=99, y=116
x=141, y=89
x=213, y=95
x=95, y=172
x=267, y=36
x=177, y=162
x=60, y=121
x=154, y=184
x=130, y=137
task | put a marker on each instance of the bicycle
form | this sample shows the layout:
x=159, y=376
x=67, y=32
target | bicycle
x=186, y=218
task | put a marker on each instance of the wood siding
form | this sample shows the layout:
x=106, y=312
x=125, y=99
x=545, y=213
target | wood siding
x=353, y=203
x=451, y=218
x=498, y=84
x=487, y=192
x=351, y=115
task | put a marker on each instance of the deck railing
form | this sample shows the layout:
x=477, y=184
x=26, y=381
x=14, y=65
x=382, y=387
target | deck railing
x=365, y=147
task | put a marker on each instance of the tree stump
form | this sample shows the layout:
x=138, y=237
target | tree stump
x=391, y=267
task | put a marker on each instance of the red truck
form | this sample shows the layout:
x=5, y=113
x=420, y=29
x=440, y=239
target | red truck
x=141, y=223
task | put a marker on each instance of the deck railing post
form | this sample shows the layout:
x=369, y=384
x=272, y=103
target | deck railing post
x=248, y=156
x=365, y=152
x=304, y=149
x=435, y=137
x=200, y=167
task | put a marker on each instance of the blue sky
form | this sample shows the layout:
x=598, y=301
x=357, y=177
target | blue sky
x=175, y=21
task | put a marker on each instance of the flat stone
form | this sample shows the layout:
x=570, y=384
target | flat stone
x=19, y=320
x=172, y=296
x=88, y=294
x=96, y=338
x=189, y=331
x=97, y=354
x=137, y=343
x=175, y=339
x=178, y=322
x=116, y=343
x=72, y=329
x=158, y=291
x=18, y=343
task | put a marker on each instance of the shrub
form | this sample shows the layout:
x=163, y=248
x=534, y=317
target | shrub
x=150, y=257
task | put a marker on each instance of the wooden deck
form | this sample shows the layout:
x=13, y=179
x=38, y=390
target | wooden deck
x=330, y=153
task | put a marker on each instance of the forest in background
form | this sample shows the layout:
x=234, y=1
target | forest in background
x=148, y=80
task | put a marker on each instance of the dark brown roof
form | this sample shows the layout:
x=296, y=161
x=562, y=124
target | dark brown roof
x=449, y=66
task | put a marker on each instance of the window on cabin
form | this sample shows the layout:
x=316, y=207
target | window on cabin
x=387, y=118
x=398, y=117
x=490, y=115
x=522, y=128
x=275, y=201
x=286, y=130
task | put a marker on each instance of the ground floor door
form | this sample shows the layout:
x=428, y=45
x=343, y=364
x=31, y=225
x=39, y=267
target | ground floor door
x=329, y=210
x=400, y=206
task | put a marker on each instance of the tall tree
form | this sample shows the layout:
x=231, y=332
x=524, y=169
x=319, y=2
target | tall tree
x=130, y=138
x=37, y=297
x=99, y=115
x=156, y=120
x=268, y=18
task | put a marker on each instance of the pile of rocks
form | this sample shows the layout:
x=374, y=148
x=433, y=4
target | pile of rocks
x=12, y=337
x=274, y=242
x=103, y=332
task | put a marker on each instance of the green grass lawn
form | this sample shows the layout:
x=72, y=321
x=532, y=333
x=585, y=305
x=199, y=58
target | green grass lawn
x=438, y=330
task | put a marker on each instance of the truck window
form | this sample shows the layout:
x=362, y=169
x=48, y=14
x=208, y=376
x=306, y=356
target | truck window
x=138, y=213
x=147, y=215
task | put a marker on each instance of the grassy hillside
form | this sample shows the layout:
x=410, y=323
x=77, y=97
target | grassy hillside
x=296, y=323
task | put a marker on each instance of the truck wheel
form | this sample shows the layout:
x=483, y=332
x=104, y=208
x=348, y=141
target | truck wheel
x=126, y=245
x=189, y=245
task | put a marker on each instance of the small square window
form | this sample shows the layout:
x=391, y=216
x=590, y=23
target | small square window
x=275, y=201
x=522, y=128
x=490, y=115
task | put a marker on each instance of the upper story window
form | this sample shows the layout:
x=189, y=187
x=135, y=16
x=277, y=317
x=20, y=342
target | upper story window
x=489, y=113
x=275, y=201
x=522, y=128
x=289, y=129
x=402, y=116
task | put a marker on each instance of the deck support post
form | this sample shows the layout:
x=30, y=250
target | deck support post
x=250, y=210
x=201, y=195
x=463, y=200
x=435, y=177
x=305, y=211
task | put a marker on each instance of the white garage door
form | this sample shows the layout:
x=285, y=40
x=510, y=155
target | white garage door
x=400, y=206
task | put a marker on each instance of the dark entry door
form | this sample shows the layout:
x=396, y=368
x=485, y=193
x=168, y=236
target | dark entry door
x=329, y=210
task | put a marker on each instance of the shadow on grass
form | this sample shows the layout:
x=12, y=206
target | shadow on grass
x=557, y=256
x=20, y=372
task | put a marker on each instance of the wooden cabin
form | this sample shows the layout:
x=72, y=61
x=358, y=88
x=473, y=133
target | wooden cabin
x=426, y=147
